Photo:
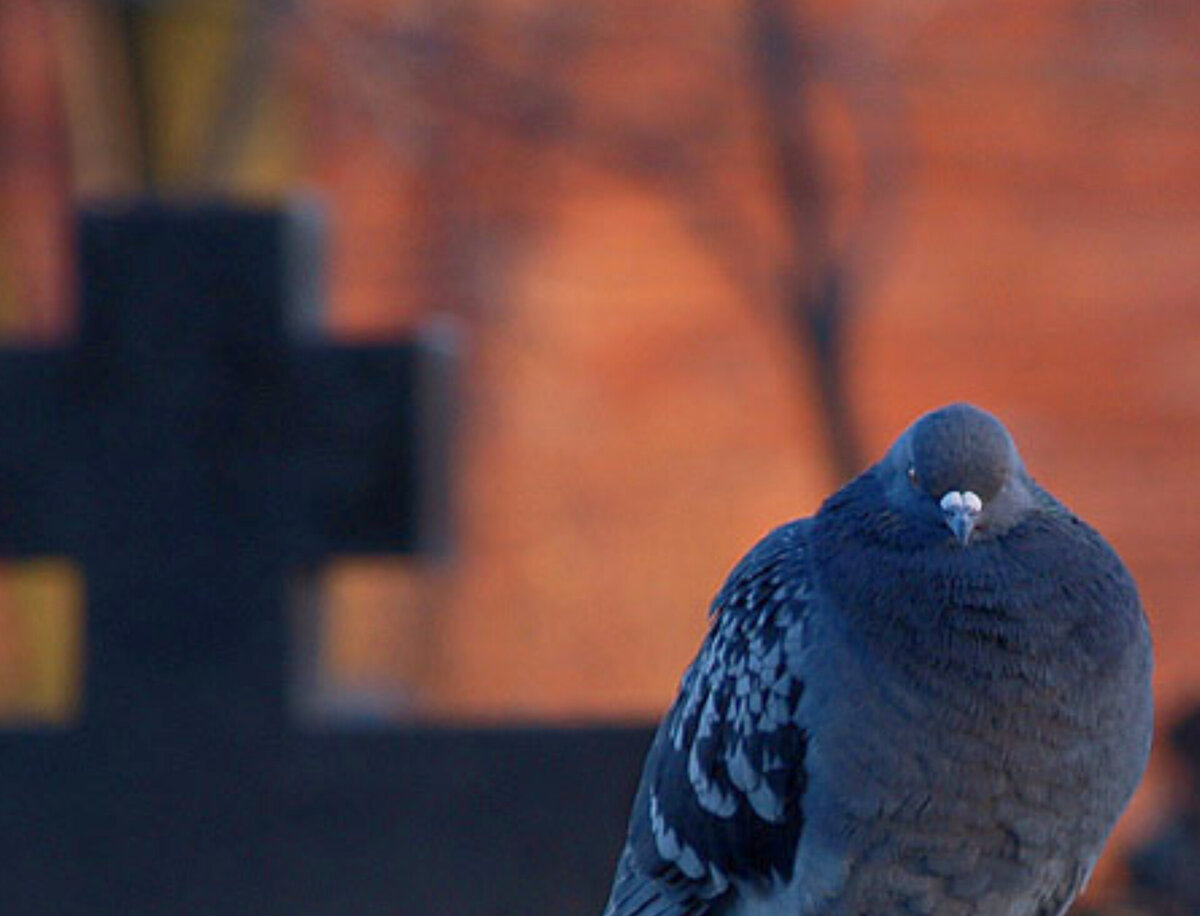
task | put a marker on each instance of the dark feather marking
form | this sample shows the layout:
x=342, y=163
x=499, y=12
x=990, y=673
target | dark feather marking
x=724, y=777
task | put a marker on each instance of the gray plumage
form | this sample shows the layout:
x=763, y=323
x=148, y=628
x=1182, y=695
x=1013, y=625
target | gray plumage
x=931, y=698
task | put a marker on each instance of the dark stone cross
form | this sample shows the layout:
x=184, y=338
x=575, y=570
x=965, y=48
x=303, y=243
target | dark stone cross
x=194, y=450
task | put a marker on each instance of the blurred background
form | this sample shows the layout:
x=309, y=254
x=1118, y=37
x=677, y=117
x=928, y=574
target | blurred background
x=705, y=261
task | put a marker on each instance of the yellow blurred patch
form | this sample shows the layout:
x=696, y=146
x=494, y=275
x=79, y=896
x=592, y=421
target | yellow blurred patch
x=41, y=642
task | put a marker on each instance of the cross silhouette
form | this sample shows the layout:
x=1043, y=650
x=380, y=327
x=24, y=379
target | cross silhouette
x=191, y=450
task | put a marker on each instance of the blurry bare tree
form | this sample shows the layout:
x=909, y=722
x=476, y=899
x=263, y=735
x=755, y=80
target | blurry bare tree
x=467, y=89
x=486, y=107
x=475, y=95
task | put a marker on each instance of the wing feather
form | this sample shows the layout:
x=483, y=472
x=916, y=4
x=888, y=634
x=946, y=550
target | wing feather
x=719, y=804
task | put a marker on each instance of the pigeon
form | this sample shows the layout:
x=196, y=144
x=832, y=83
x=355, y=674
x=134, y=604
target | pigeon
x=931, y=698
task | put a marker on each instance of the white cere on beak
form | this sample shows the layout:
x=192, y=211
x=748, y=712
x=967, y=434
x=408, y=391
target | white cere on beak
x=962, y=501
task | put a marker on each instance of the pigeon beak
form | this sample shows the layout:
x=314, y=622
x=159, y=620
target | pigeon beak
x=961, y=509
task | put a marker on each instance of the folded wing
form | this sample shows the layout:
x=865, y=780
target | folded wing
x=718, y=810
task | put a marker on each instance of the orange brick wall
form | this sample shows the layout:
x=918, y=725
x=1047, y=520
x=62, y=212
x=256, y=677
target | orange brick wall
x=635, y=416
x=636, y=419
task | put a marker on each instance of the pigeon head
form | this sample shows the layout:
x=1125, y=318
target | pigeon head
x=958, y=467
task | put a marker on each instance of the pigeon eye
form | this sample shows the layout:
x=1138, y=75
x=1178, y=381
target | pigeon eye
x=912, y=476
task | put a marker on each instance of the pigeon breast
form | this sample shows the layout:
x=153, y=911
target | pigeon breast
x=979, y=717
